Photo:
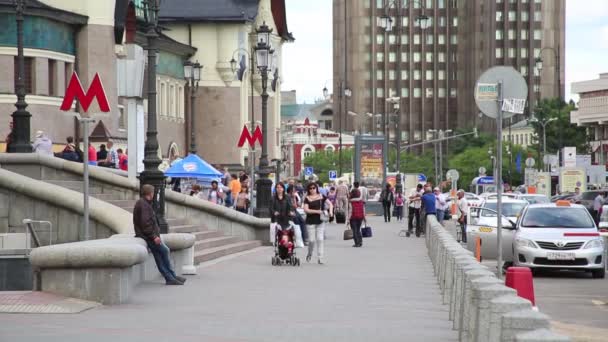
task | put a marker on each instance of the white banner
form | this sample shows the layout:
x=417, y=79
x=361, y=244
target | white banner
x=516, y=106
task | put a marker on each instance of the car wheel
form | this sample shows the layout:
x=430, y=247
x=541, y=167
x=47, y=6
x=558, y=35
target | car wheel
x=599, y=274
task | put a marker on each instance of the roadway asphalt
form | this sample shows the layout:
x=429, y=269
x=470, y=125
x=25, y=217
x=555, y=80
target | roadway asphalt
x=385, y=291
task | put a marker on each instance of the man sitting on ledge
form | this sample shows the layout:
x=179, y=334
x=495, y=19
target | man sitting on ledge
x=146, y=227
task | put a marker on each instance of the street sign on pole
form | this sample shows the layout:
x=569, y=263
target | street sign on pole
x=308, y=171
x=509, y=85
x=333, y=175
x=452, y=175
x=530, y=162
x=482, y=171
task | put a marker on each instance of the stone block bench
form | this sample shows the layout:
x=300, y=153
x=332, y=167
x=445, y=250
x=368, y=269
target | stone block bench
x=106, y=270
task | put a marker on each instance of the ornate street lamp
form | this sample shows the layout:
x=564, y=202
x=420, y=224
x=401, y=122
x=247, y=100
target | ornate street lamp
x=192, y=74
x=151, y=174
x=263, y=53
x=21, y=117
x=539, y=65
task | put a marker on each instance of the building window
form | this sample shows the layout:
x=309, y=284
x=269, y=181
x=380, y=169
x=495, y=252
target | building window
x=404, y=75
x=454, y=39
x=392, y=39
x=441, y=92
x=452, y=92
x=441, y=57
x=416, y=39
x=512, y=15
x=392, y=92
x=498, y=52
x=511, y=34
x=122, y=118
x=404, y=57
x=417, y=92
x=524, y=34
x=455, y=21
x=429, y=3
x=405, y=39
x=416, y=74
x=367, y=3
x=181, y=102
x=52, y=77
x=391, y=75
x=307, y=152
x=525, y=16
x=440, y=3
x=536, y=52
x=429, y=75
x=523, y=70
x=392, y=57
x=498, y=15
x=511, y=53
x=441, y=74
x=538, y=34
x=380, y=4
x=429, y=92
x=406, y=21
x=537, y=16
x=416, y=4
x=27, y=74
x=405, y=92
x=380, y=39
x=379, y=57
x=163, y=99
x=379, y=75
x=499, y=34
x=429, y=39
x=379, y=92
x=442, y=21
x=429, y=57
x=536, y=88
x=441, y=39
x=524, y=52
x=416, y=57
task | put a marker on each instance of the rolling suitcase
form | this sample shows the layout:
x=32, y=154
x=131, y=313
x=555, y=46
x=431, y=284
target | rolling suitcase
x=340, y=217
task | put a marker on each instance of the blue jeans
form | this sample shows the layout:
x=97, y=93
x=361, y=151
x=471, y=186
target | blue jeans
x=161, y=257
x=440, y=215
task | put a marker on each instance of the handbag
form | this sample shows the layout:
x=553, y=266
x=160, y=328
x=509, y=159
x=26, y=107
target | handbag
x=324, y=216
x=366, y=231
x=348, y=233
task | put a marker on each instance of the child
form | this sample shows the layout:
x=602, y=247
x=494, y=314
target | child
x=399, y=201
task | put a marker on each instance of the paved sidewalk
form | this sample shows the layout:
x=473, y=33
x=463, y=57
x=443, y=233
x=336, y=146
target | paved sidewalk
x=385, y=291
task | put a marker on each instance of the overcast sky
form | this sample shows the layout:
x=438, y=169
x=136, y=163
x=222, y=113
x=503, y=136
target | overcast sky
x=307, y=62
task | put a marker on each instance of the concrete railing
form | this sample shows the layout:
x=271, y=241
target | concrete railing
x=196, y=211
x=481, y=307
x=106, y=270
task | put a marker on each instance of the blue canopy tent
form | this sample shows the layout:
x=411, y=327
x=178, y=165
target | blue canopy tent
x=193, y=167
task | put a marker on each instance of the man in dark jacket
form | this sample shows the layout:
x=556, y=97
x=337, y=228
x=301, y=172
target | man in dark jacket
x=146, y=227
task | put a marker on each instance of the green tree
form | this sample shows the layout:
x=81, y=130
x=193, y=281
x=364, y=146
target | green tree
x=560, y=133
x=325, y=161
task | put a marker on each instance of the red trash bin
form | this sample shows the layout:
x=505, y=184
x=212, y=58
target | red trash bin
x=520, y=279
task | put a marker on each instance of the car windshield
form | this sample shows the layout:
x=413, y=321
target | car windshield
x=508, y=209
x=590, y=195
x=536, y=199
x=557, y=217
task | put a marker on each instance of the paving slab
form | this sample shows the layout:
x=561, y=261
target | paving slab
x=385, y=291
x=33, y=302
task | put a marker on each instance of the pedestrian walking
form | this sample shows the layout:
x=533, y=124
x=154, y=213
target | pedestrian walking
x=216, y=194
x=387, y=198
x=235, y=190
x=242, y=201
x=296, y=202
x=441, y=204
x=317, y=210
x=357, y=215
x=281, y=210
x=147, y=227
x=399, y=203
x=341, y=197
x=414, y=209
x=463, y=209
x=42, y=144
x=598, y=203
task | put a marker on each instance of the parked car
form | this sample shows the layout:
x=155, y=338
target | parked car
x=534, y=198
x=559, y=235
x=566, y=196
x=588, y=197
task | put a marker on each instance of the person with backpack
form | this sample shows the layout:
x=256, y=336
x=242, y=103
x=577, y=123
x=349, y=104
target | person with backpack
x=387, y=198
x=357, y=215
x=399, y=202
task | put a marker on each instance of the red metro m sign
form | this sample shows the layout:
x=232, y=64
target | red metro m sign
x=75, y=91
x=246, y=136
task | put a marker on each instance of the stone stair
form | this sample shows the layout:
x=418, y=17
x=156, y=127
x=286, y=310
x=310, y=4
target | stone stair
x=210, y=244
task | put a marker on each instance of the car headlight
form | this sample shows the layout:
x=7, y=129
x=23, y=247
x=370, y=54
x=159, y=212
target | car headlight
x=520, y=242
x=595, y=243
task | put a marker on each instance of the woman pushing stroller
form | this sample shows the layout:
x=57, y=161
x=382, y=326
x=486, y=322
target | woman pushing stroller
x=283, y=231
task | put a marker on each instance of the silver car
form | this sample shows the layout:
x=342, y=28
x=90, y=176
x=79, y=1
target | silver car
x=557, y=236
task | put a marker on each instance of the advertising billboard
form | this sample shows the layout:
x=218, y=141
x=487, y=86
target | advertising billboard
x=370, y=161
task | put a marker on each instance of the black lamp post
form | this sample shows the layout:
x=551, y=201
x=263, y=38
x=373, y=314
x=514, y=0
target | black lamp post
x=21, y=117
x=539, y=65
x=151, y=174
x=263, y=52
x=192, y=74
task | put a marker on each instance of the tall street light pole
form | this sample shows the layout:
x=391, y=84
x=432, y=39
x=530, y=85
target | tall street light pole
x=264, y=53
x=151, y=174
x=539, y=66
x=21, y=117
x=442, y=136
x=543, y=124
x=192, y=74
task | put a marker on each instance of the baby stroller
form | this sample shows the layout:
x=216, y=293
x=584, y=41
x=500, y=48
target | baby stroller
x=284, y=247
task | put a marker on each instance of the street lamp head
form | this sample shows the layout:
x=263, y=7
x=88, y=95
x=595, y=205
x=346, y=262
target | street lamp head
x=386, y=23
x=351, y=113
x=263, y=36
x=370, y=115
x=423, y=19
x=325, y=92
x=348, y=92
x=150, y=11
x=197, y=68
x=187, y=70
x=552, y=119
x=539, y=63
x=233, y=63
